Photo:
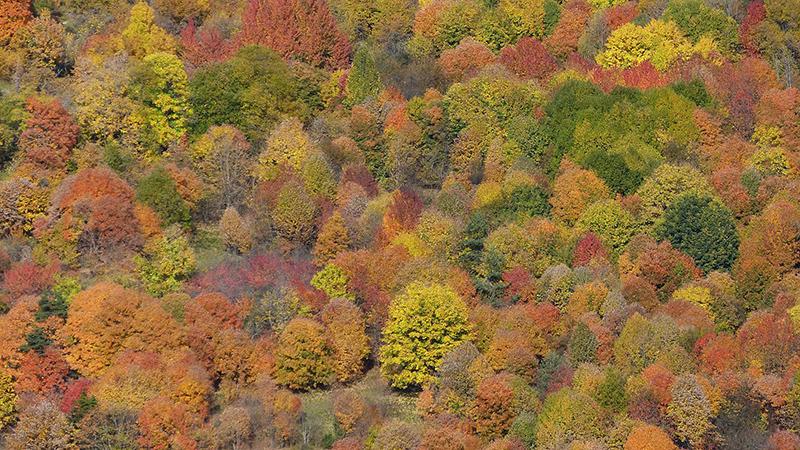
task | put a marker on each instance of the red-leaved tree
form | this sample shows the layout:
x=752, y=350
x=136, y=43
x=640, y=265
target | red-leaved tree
x=50, y=133
x=201, y=47
x=529, y=59
x=304, y=30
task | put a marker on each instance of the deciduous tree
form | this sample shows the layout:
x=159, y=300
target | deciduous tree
x=425, y=322
x=345, y=327
x=303, y=356
x=296, y=29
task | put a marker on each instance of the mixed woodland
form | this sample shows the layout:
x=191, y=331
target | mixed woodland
x=400, y=224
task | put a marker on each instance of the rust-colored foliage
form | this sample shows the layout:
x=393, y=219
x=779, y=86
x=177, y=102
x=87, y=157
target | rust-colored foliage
x=564, y=39
x=99, y=203
x=465, y=60
x=345, y=327
x=619, y=15
x=332, y=239
x=27, y=277
x=287, y=409
x=529, y=58
x=165, y=424
x=492, y=411
x=783, y=440
x=50, y=133
x=14, y=14
x=665, y=268
x=769, y=339
x=348, y=408
x=660, y=380
x=774, y=236
x=403, y=213
x=205, y=46
x=718, y=353
x=42, y=373
x=296, y=29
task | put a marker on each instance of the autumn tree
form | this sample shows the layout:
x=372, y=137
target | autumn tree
x=690, y=410
x=13, y=16
x=345, y=327
x=660, y=42
x=665, y=185
x=50, y=134
x=294, y=214
x=698, y=20
x=42, y=372
x=567, y=415
x=587, y=249
x=203, y=46
x=302, y=355
x=160, y=85
x=296, y=29
x=529, y=58
x=142, y=37
x=642, y=341
x=492, y=410
x=235, y=231
x=41, y=48
x=649, y=437
x=332, y=239
x=333, y=281
x=8, y=400
x=464, y=61
x=610, y=222
x=166, y=424
x=573, y=190
x=438, y=316
x=571, y=24
x=92, y=211
x=106, y=319
x=42, y=426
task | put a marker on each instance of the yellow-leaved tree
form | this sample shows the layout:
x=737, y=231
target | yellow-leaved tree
x=425, y=322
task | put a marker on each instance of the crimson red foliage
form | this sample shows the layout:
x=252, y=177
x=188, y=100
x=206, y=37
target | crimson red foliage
x=72, y=393
x=756, y=12
x=587, y=249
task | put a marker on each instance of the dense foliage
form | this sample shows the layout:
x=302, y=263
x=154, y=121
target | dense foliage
x=377, y=224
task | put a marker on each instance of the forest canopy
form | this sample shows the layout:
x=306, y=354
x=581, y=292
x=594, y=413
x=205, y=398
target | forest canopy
x=405, y=225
